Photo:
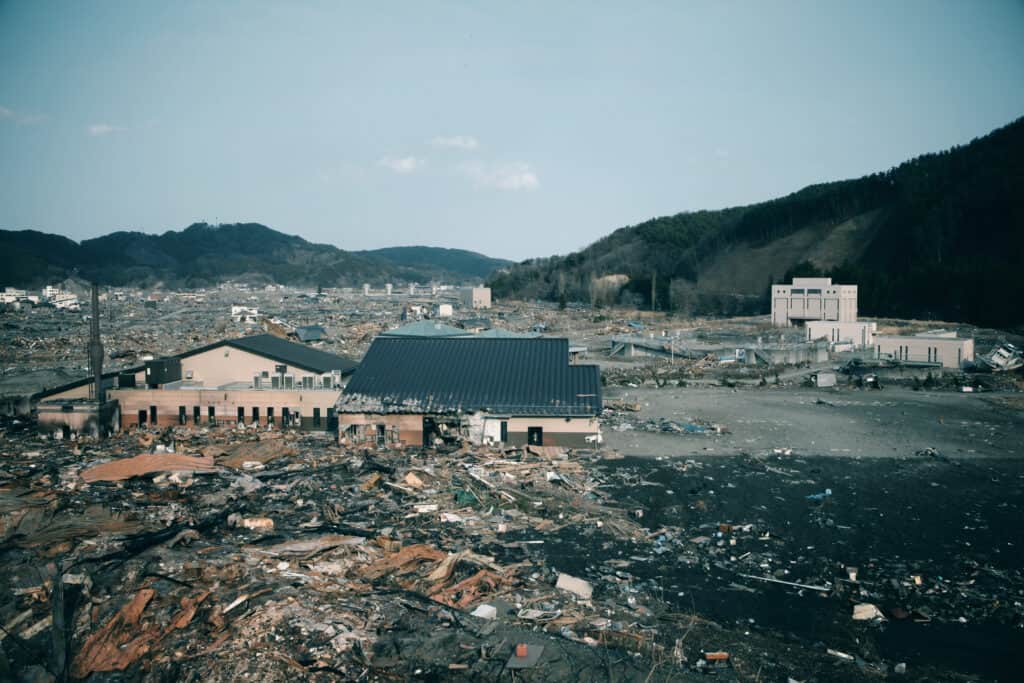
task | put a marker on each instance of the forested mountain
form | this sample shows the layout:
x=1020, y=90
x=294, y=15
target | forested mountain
x=938, y=237
x=203, y=254
x=468, y=263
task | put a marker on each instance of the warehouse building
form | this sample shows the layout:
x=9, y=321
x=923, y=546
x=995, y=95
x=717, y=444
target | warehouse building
x=937, y=347
x=425, y=392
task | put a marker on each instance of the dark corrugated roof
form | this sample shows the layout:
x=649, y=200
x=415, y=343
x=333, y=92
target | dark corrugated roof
x=284, y=351
x=505, y=376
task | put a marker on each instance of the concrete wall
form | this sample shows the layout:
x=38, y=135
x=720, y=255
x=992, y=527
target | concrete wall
x=861, y=334
x=951, y=352
x=407, y=430
x=225, y=364
x=225, y=404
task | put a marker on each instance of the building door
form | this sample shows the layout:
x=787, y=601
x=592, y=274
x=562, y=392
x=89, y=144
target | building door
x=285, y=418
x=142, y=417
x=211, y=416
x=535, y=436
x=428, y=431
x=381, y=438
x=195, y=414
x=270, y=415
x=152, y=415
x=255, y=415
x=241, y=415
x=504, y=431
x=332, y=420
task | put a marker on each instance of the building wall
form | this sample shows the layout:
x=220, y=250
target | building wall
x=477, y=297
x=225, y=364
x=951, y=352
x=813, y=299
x=225, y=404
x=862, y=334
x=407, y=430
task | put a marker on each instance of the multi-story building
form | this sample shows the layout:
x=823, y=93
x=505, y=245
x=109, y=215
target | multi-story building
x=813, y=298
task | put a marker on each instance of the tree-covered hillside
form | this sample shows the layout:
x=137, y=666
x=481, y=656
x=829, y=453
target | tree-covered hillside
x=940, y=236
x=202, y=255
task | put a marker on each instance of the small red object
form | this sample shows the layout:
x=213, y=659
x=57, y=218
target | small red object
x=521, y=650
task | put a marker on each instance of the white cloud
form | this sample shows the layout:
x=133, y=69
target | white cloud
x=403, y=165
x=20, y=119
x=467, y=142
x=98, y=129
x=513, y=177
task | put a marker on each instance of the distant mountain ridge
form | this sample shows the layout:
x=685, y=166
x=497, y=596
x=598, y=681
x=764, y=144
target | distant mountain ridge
x=469, y=263
x=203, y=254
x=938, y=237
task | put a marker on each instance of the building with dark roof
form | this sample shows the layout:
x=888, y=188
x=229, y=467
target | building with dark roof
x=417, y=391
x=310, y=333
x=260, y=380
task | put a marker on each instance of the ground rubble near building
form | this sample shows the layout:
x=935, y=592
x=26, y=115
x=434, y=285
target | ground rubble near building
x=293, y=557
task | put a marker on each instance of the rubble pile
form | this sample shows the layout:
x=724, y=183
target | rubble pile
x=228, y=554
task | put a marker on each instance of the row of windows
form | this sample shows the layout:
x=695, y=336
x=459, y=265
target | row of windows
x=289, y=416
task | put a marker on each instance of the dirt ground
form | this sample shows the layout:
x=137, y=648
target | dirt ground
x=848, y=422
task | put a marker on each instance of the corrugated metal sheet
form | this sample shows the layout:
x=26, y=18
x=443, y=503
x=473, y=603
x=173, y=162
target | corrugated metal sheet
x=504, y=376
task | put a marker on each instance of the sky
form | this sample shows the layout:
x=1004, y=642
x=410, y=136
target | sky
x=516, y=129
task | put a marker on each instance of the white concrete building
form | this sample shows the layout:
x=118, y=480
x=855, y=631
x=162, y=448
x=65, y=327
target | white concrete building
x=11, y=295
x=813, y=298
x=476, y=297
x=249, y=315
x=937, y=346
x=443, y=310
x=859, y=334
x=65, y=301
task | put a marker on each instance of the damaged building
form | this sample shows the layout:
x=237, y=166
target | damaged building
x=426, y=392
x=813, y=298
x=262, y=380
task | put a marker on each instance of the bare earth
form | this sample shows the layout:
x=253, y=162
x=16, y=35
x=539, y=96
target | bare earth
x=847, y=422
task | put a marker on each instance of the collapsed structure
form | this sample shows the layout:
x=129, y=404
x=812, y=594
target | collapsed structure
x=419, y=391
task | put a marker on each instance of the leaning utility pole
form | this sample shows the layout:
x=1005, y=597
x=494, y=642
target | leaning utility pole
x=96, y=347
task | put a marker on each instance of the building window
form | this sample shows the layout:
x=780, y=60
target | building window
x=270, y=416
x=289, y=381
x=307, y=382
x=188, y=374
x=316, y=417
x=255, y=415
x=264, y=374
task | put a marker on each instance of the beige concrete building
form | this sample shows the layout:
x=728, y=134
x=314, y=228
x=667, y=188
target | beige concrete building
x=938, y=347
x=261, y=379
x=859, y=334
x=813, y=298
x=476, y=297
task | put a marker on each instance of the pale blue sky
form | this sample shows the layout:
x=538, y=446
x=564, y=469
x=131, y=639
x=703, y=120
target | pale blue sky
x=515, y=128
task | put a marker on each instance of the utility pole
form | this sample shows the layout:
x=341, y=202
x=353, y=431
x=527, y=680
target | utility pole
x=96, y=347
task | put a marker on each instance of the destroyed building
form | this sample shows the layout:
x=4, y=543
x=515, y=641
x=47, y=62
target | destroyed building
x=418, y=391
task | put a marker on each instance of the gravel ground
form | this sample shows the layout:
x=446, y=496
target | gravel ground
x=845, y=422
